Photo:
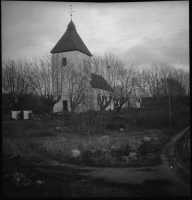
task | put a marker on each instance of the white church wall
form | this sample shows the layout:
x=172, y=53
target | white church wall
x=79, y=60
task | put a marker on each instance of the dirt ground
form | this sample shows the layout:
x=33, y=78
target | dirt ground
x=159, y=180
x=161, y=175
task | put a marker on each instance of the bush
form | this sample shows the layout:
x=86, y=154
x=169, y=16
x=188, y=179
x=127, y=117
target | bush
x=116, y=123
x=143, y=148
x=149, y=147
x=104, y=160
x=92, y=122
x=126, y=149
x=87, y=157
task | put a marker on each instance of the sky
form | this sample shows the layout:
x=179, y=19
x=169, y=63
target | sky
x=140, y=32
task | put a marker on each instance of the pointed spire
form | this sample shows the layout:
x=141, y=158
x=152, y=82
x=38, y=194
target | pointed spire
x=71, y=41
x=71, y=26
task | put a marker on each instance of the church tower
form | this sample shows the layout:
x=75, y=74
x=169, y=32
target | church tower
x=69, y=53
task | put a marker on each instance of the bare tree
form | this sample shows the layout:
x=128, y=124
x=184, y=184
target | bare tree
x=124, y=89
x=103, y=101
x=139, y=89
x=163, y=83
x=149, y=81
x=108, y=67
x=17, y=81
x=43, y=76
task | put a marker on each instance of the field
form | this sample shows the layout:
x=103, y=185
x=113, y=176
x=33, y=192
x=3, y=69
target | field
x=41, y=145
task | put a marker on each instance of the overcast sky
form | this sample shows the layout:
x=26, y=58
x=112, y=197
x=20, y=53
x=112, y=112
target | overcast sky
x=134, y=31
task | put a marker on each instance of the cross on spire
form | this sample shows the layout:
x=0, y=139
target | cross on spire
x=71, y=12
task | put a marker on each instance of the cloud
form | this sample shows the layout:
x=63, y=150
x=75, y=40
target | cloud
x=171, y=48
x=133, y=31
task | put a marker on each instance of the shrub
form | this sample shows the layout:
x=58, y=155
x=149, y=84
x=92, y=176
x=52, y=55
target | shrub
x=87, y=157
x=149, y=147
x=104, y=160
x=126, y=149
x=91, y=122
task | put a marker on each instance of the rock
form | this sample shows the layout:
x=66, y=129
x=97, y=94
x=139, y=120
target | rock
x=121, y=129
x=75, y=153
x=104, y=138
x=115, y=148
x=156, y=139
x=147, y=139
x=104, y=141
x=39, y=182
x=58, y=128
x=133, y=155
x=83, y=180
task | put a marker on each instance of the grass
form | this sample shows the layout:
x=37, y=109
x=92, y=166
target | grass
x=28, y=137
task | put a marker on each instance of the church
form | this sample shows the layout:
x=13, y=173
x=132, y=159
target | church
x=71, y=66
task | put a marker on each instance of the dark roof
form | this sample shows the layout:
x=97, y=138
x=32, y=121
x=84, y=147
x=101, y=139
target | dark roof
x=71, y=41
x=99, y=82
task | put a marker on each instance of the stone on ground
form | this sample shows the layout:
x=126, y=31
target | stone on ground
x=104, y=141
x=115, y=148
x=147, y=139
x=133, y=155
x=75, y=153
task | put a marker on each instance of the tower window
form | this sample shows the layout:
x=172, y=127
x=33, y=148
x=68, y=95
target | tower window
x=64, y=62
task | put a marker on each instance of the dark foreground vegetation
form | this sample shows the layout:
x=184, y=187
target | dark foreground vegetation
x=137, y=138
x=66, y=182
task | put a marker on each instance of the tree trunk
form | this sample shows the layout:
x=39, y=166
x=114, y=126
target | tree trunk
x=50, y=109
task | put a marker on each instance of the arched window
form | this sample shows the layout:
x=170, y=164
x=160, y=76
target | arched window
x=64, y=62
